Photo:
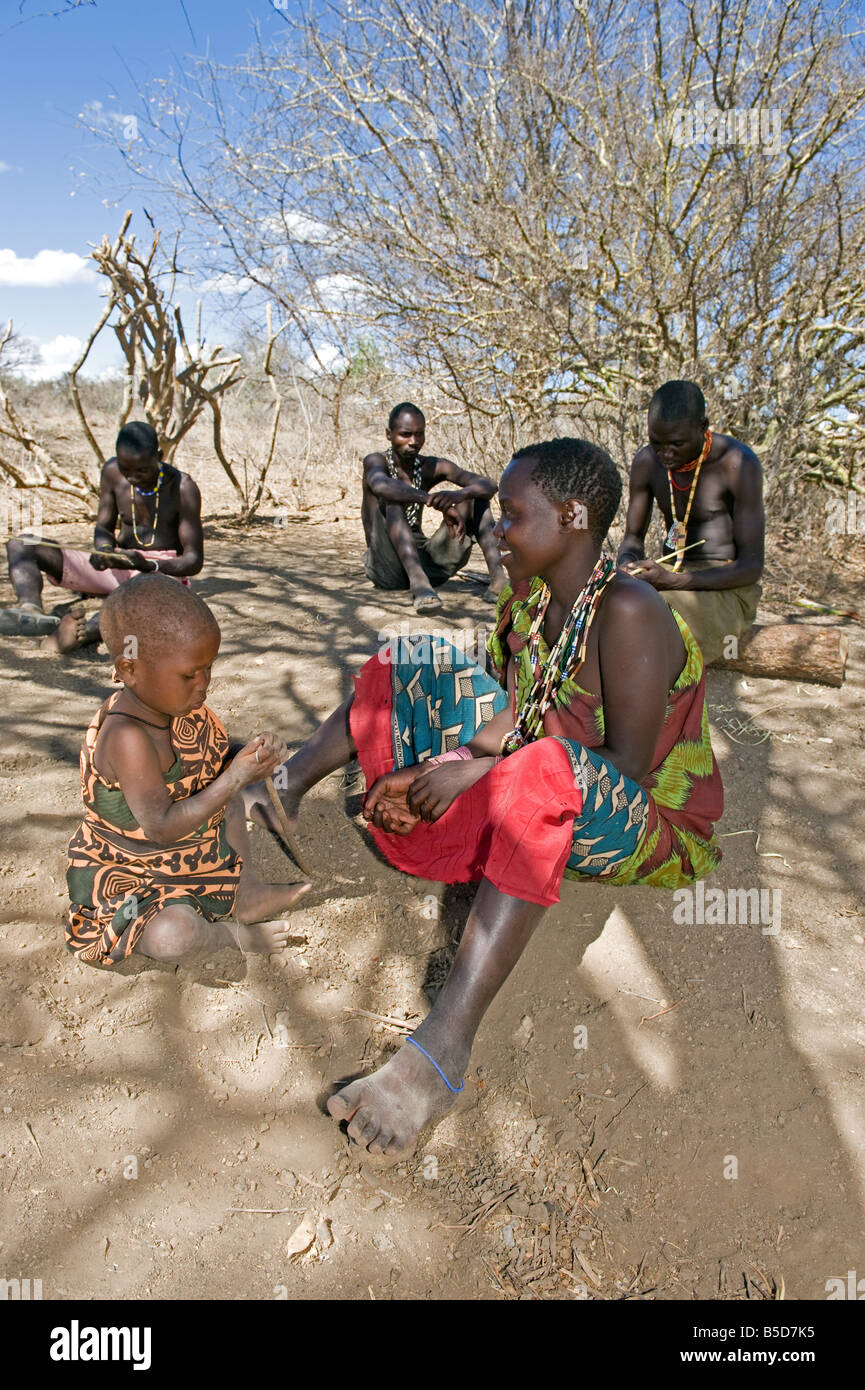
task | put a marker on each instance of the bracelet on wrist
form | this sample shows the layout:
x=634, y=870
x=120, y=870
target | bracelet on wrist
x=455, y=755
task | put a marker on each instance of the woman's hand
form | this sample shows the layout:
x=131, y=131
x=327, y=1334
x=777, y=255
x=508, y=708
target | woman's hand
x=385, y=803
x=434, y=791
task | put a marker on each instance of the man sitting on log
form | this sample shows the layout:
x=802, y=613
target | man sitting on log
x=159, y=511
x=396, y=488
x=709, y=490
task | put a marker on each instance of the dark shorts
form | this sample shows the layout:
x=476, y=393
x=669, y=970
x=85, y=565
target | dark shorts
x=441, y=555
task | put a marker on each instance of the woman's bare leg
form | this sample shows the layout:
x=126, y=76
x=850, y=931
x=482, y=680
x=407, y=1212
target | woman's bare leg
x=178, y=933
x=330, y=748
x=387, y=1110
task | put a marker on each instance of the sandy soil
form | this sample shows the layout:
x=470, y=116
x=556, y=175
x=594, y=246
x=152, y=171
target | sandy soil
x=162, y=1133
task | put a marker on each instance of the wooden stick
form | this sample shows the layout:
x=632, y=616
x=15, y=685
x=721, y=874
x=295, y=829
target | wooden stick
x=671, y=559
x=383, y=1018
x=284, y=826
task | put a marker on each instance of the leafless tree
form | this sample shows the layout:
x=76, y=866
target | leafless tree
x=546, y=207
x=167, y=378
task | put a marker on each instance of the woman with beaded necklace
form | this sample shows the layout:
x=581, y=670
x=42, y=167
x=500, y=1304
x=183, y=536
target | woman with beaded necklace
x=590, y=758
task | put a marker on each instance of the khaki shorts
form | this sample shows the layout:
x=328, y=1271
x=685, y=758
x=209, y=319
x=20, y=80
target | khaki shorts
x=713, y=615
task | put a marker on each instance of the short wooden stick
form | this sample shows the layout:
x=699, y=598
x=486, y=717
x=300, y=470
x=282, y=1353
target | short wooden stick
x=284, y=826
x=671, y=559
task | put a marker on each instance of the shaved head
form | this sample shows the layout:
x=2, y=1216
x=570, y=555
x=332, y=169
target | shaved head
x=159, y=612
x=677, y=401
x=574, y=468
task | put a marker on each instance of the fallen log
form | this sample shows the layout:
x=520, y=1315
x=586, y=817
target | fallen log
x=790, y=651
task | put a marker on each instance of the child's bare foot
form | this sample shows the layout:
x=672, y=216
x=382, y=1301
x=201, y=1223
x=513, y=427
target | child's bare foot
x=388, y=1110
x=74, y=630
x=257, y=902
x=262, y=938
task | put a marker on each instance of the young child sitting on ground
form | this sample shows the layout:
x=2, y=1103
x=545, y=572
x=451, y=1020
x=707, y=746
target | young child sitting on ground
x=160, y=862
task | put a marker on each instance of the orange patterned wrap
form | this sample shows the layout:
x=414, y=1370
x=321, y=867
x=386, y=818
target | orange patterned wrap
x=118, y=880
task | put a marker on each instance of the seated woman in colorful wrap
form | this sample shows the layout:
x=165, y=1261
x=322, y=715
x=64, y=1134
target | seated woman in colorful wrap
x=589, y=759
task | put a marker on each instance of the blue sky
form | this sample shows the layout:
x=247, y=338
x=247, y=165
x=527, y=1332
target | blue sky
x=51, y=68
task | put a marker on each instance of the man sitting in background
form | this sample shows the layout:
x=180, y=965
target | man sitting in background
x=158, y=509
x=709, y=490
x=396, y=488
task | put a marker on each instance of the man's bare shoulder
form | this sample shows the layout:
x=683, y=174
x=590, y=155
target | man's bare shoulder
x=111, y=474
x=188, y=488
x=643, y=464
x=374, y=460
x=735, y=456
x=445, y=470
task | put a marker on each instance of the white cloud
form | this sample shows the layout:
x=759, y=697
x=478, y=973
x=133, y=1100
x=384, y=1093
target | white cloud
x=55, y=357
x=305, y=228
x=98, y=117
x=340, y=293
x=227, y=284
x=327, y=358
x=115, y=373
x=296, y=226
x=45, y=270
x=7, y=168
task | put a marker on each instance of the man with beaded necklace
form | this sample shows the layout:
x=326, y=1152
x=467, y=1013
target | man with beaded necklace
x=396, y=488
x=158, y=509
x=709, y=490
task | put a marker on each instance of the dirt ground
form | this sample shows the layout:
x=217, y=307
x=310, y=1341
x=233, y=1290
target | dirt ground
x=162, y=1132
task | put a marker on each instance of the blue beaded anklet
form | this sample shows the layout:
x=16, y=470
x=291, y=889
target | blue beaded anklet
x=456, y=1089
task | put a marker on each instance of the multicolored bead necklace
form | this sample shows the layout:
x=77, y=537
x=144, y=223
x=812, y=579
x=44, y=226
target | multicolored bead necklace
x=678, y=532
x=565, y=658
x=146, y=492
x=413, y=509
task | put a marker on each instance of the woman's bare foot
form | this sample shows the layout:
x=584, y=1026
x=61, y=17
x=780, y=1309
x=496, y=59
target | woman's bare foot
x=257, y=805
x=387, y=1111
x=261, y=938
x=74, y=630
x=257, y=902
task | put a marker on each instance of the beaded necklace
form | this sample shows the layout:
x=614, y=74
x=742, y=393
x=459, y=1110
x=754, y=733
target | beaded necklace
x=413, y=509
x=565, y=658
x=678, y=532
x=146, y=492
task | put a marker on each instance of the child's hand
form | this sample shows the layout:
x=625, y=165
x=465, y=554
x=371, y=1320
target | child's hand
x=259, y=758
